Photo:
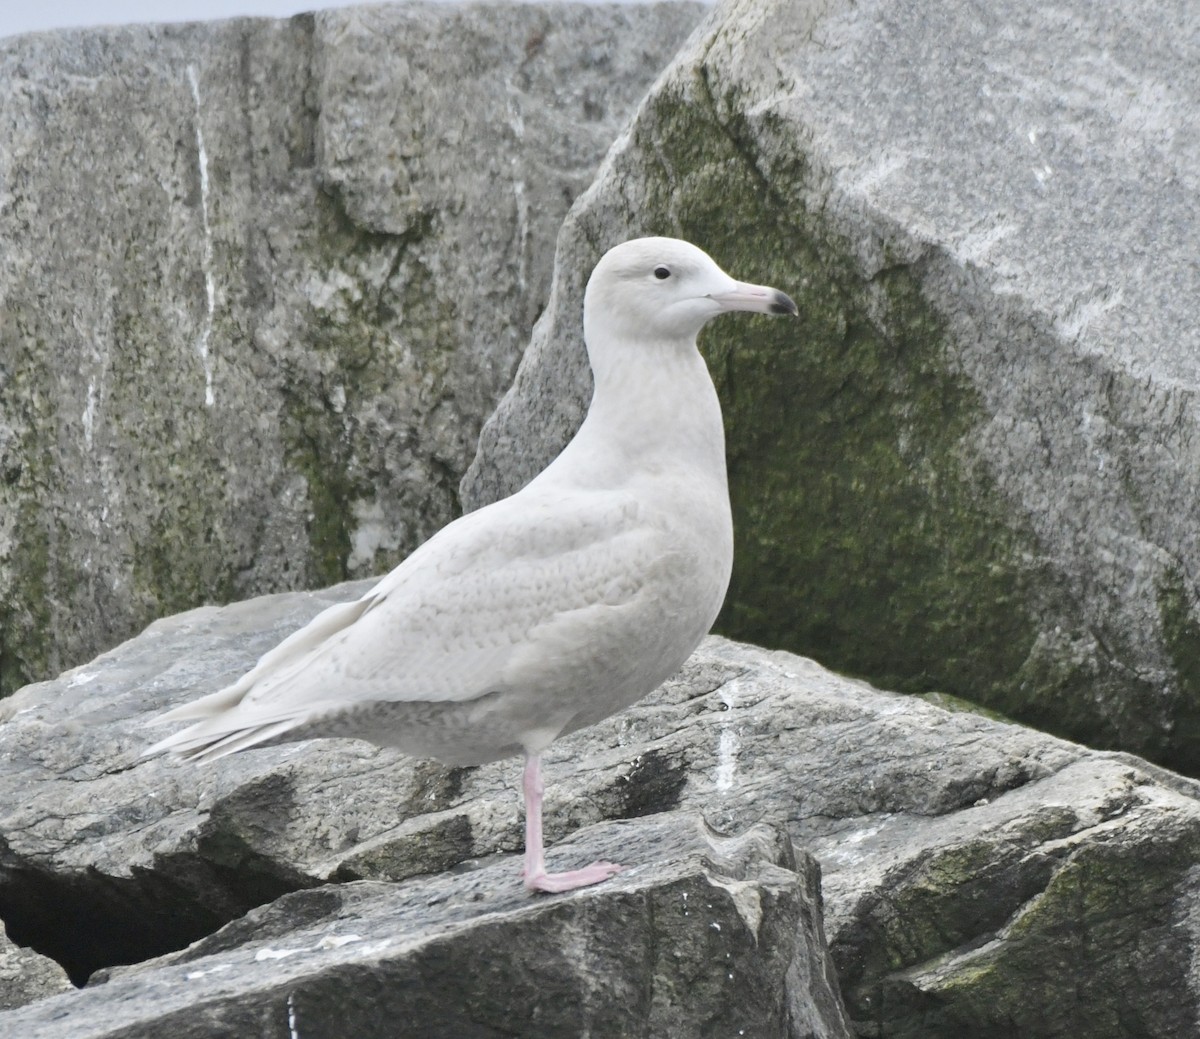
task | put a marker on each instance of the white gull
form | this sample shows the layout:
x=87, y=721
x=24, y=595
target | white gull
x=556, y=607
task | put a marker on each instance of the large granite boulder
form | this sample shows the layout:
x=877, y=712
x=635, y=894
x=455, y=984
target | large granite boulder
x=262, y=281
x=977, y=878
x=713, y=936
x=973, y=465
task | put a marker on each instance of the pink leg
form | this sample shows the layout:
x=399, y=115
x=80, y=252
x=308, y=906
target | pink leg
x=536, y=877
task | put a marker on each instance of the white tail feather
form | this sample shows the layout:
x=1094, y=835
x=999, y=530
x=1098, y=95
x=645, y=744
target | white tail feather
x=206, y=707
x=232, y=742
x=199, y=742
x=202, y=740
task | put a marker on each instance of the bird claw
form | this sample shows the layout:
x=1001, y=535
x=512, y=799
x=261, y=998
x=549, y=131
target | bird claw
x=553, y=883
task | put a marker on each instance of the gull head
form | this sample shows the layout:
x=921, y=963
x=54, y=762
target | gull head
x=664, y=289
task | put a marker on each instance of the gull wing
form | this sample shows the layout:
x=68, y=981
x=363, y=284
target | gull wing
x=447, y=623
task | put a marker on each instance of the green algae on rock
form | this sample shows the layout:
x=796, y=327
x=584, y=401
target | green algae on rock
x=947, y=476
x=262, y=282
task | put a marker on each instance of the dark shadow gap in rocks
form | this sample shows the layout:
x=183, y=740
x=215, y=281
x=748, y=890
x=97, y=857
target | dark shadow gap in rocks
x=654, y=784
x=88, y=920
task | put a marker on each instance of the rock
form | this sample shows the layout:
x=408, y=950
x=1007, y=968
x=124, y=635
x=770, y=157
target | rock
x=700, y=942
x=262, y=282
x=972, y=466
x=977, y=877
x=1013, y=918
x=26, y=977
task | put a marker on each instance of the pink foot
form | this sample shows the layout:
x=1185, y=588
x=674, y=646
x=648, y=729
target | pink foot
x=536, y=877
x=571, y=879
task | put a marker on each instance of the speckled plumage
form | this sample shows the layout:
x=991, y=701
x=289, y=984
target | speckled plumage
x=551, y=609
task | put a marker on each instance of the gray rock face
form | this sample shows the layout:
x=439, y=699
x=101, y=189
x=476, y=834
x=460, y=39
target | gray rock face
x=701, y=942
x=977, y=877
x=972, y=466
x=262, y=281
x=26, y=977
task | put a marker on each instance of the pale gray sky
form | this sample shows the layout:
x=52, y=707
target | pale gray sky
x=55, y=14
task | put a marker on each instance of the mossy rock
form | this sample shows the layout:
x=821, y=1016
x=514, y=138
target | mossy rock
x=939, y=483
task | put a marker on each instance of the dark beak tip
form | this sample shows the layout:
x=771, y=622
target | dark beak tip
x=783, y=304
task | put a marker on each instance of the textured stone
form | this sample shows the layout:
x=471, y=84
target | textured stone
x=972, y=466
x=262, y=281
x=26, y=977
x=699, y=940
x=977, y=877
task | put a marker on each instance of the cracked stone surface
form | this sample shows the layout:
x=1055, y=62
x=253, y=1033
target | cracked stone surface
x=972, y=465
x=709, y=935
x=26, y=977
x=263, y=281
x=977, y=877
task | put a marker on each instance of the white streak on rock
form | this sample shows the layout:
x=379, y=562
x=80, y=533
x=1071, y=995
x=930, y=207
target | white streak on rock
x=1085, y=310
x=95, y=368
x=210, y=291
x=522, y=204
x=373, y=533
x=516, y=122
x=747, y=900
x=336, y=941
x=293, y=1032
x=89, y=414
x=728, y=743
x=276, y=954
x=196, y=974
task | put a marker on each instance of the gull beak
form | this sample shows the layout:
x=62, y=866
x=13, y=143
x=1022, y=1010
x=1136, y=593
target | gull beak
x=759, y=298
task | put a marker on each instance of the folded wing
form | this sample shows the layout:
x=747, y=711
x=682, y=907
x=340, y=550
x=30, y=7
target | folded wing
x=446, y=624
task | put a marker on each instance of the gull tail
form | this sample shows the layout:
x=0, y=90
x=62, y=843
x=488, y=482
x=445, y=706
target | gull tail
x=207, y=706
x=227, y=720
x=207, y=741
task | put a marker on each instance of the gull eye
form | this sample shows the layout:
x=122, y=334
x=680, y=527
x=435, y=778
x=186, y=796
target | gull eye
x=662, y=273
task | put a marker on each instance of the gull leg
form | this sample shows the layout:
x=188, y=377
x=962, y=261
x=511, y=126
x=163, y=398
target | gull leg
x=536, y=877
